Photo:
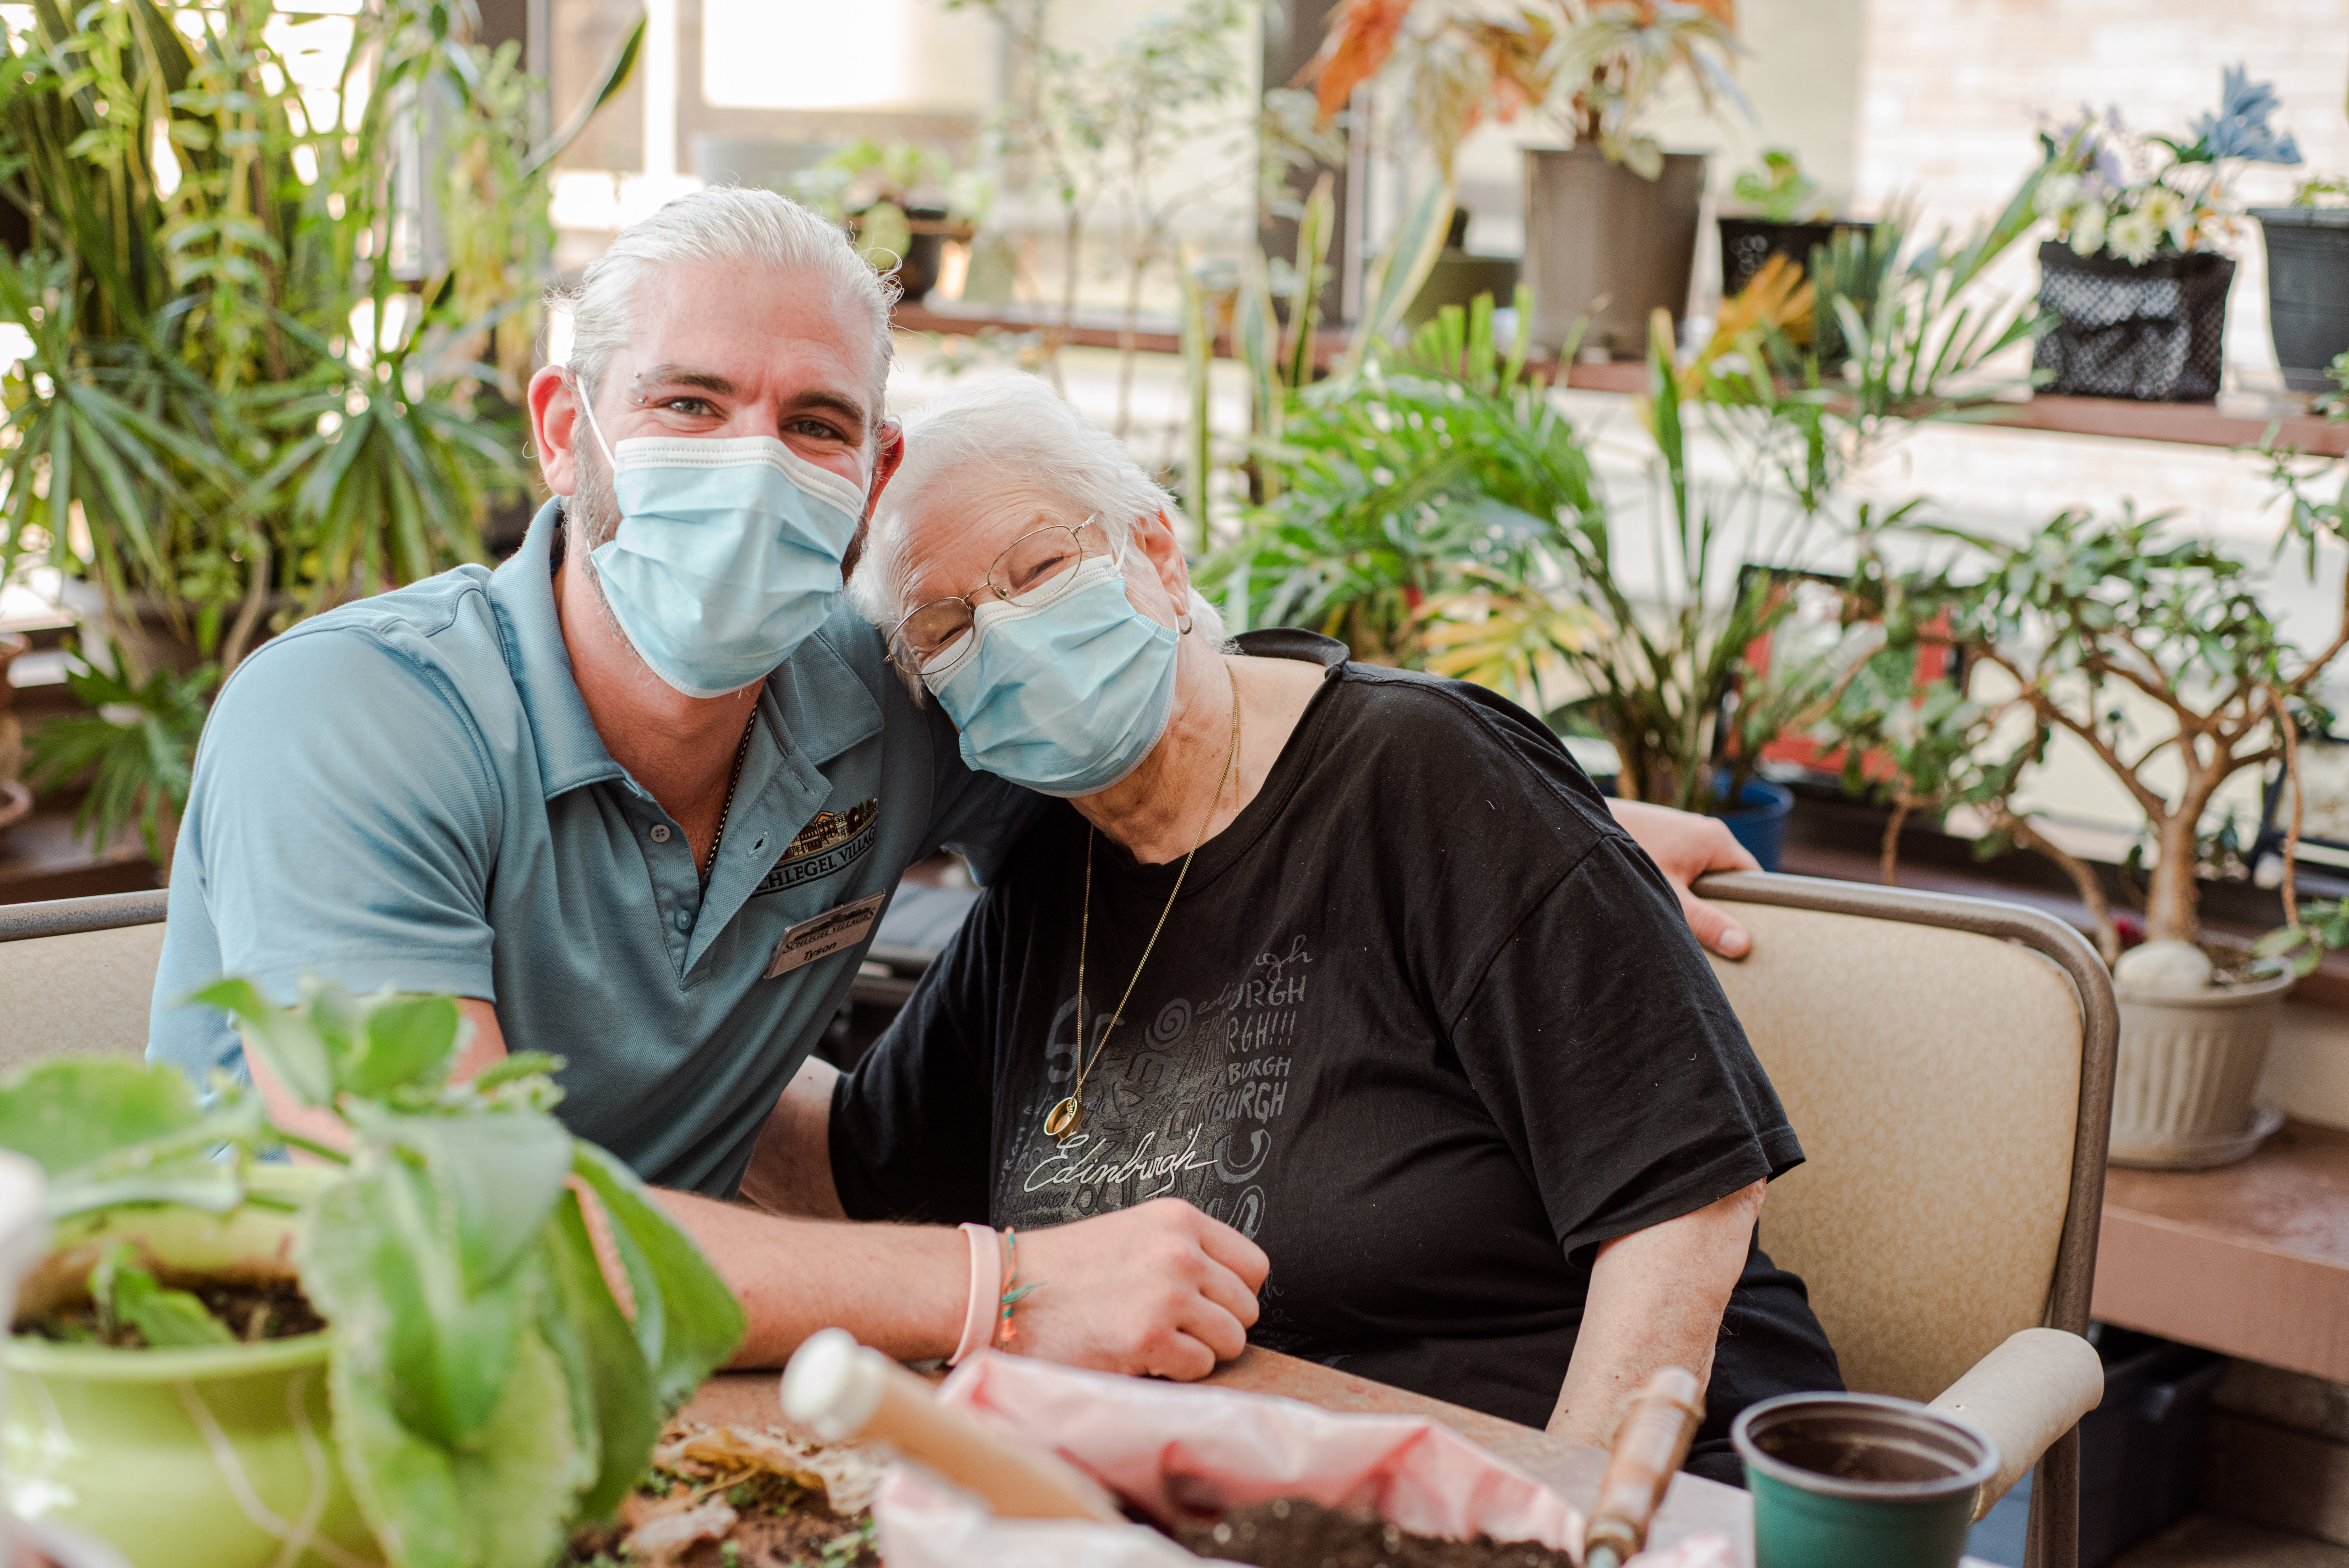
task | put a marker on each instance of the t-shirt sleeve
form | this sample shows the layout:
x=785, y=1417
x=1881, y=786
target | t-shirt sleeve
x=1600, y=1042
x=345, y=818
x=911, y=1125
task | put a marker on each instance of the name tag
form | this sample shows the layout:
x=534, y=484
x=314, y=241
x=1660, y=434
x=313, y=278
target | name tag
x=825, y=935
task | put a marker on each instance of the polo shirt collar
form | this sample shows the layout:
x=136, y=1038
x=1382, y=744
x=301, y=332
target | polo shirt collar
x=570, y=752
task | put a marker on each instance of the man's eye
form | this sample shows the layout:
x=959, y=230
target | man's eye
x=815, y=427
x=694, y=408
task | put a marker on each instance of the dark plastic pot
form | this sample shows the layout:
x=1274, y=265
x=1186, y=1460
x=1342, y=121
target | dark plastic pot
x=1759, y=822
x=2307, y=290
x=1859, y=1481
x=1747, y=243
x=2153, y=333
x=2141, y=1449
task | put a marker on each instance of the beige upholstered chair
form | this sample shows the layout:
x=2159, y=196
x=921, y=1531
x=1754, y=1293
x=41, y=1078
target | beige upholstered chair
x=1948, y=1064
x=77, y=976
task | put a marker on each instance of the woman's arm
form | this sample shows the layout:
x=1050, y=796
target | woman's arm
x=1656, y=1300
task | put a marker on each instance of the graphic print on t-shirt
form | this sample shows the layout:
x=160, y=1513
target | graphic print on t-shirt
x=1191, y=1105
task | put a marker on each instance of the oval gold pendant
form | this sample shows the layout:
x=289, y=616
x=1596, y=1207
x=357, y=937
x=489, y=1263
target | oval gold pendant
x=1063, y=1118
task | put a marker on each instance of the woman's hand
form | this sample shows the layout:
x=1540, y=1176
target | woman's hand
x=1684, y=847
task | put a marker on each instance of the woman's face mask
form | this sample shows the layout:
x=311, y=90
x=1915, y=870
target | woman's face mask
x=1064, y=689
x=727, y=555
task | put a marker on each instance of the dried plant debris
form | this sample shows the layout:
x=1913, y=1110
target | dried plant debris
x=1293, y=1533
x=736, y=1496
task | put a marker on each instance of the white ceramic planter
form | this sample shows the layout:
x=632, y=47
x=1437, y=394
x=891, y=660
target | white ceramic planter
x=2189, y=1065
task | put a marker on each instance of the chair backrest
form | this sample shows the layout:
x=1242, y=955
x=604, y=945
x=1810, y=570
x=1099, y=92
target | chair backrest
x=77, y=976
x=1947, y=1063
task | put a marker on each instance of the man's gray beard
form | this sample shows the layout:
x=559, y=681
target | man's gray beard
x=591, y=517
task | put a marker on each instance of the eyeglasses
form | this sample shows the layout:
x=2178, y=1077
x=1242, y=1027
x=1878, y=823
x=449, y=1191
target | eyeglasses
x=1041, y=561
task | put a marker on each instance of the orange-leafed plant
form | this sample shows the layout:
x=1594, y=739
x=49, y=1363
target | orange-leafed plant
x=1593, y=67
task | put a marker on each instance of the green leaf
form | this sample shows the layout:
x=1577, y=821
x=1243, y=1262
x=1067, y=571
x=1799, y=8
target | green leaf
x=402, y=1041
x=167, y=1319
x=496, y=1176
x=499, y=1502
x=290, y=1046
x=378, y=1257
x=688, y=1321
x=615, y=1407
x=108, y=1132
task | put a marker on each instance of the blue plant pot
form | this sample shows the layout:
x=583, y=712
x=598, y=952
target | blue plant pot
x=1759, y=823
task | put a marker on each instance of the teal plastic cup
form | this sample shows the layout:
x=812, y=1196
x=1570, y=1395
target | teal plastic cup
x=1859, y=1481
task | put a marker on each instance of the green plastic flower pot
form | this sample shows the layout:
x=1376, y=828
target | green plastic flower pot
x=184, y=1459
x=1859, y=1481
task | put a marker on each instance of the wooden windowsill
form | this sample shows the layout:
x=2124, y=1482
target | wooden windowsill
x=2250, y=1260
x=2236, y=420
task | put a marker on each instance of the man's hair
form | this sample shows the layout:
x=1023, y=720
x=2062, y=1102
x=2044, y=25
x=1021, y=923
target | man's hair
x=723, y=226
x=1011, y=441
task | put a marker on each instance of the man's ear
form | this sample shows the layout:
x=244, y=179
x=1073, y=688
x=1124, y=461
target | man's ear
x=554, y=427
x=888, y=452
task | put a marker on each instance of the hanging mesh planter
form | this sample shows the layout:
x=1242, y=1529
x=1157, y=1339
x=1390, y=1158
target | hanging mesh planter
x=2152, y=331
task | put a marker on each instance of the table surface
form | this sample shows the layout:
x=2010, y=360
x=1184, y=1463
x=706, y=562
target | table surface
x=1693, y=1505
x=2250, y=1259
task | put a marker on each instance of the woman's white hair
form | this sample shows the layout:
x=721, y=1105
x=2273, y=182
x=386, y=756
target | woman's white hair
x=723, y=226
x=1006, y=442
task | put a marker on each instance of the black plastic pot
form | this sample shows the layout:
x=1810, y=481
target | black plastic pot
x=2140, y=1450
x=2307, y=290
x=1747, y=243
x=2153, y=332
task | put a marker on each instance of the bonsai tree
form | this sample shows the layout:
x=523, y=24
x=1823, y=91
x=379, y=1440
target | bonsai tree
x=489, y=1390
x=2157, y=658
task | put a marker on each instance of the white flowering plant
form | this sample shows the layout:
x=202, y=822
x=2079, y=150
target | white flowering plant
x=2106, y=195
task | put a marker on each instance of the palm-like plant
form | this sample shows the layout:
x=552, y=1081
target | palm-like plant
x=258, y=378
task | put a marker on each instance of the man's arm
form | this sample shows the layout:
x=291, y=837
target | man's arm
x=1159, y=1290
x=1656, y=1300
x=1684, y=847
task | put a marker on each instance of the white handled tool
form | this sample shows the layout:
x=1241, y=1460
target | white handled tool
x=839, y=1389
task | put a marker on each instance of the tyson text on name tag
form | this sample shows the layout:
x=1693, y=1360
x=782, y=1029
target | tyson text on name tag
x=825, y=935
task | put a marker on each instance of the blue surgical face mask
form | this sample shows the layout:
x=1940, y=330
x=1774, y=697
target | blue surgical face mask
x=728, y=554
x=1065, y=690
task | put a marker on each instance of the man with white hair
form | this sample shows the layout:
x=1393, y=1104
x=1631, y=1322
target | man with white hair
x=640, y=794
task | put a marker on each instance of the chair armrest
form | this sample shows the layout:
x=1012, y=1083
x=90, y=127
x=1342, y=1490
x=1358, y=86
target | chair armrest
x=2024, y=1395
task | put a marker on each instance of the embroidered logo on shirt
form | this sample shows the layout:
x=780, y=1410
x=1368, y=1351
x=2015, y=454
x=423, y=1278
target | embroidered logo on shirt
x=832, y=841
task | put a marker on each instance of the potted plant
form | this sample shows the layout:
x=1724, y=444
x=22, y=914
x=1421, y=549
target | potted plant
x=256, y=378
x=2157, y=660
x=2308, y=280
x=410, y=1354
x=900, y=200
x=1611, y=217
x=1784, y=215
x=2135, y=296
x=16, y=798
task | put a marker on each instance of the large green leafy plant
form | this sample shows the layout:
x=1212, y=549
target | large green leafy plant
x=274, y=332
x=489, y=1390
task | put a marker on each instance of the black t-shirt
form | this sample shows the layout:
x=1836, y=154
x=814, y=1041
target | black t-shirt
x=1424, y=1023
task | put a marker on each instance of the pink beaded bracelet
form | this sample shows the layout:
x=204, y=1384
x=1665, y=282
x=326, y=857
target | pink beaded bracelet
x=978, y=1320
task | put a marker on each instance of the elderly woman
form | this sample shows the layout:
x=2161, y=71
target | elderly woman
x=1350, y=957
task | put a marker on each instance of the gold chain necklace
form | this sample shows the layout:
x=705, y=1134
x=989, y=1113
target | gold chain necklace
x=726, y=808
x=1066, y=1115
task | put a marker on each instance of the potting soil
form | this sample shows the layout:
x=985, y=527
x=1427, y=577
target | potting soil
x=1294, y=1532
x=728, y=1497
x=252, y=1310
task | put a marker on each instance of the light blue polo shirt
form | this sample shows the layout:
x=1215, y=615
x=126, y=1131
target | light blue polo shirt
x=408, y=790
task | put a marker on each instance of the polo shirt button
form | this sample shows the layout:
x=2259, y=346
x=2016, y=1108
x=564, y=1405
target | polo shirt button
x=660, y=832
x=684, y=919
